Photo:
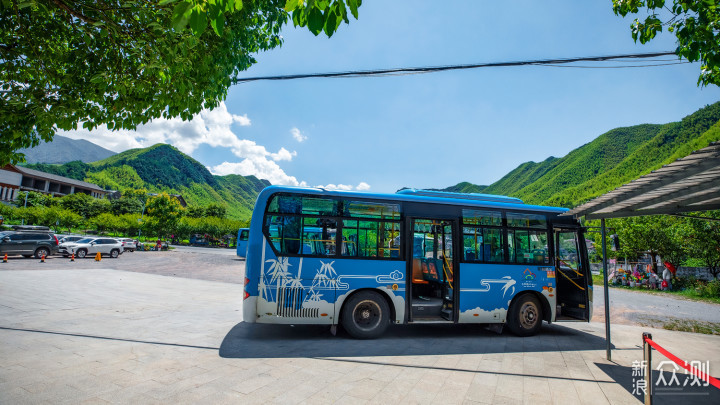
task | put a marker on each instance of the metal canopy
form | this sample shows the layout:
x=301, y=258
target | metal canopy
x=685, y=185
x=688, y=184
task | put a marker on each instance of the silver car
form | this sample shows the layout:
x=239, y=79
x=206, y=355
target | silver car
x=128, y=244
x=92, y=246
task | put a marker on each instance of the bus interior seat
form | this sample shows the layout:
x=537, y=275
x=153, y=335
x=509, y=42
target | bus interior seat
x=434, y=270
x=486, y=252
x=418, y=271
x=469, y=255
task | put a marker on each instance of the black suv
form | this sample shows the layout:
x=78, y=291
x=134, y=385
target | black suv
x=28, y=241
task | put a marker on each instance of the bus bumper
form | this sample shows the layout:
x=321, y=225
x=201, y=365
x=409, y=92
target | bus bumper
x=250, y=309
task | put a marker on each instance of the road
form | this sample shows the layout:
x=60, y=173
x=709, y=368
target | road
x=207, y=251
x=638, y=308
x=211, y=264
x=164, y=327
x=216, y=264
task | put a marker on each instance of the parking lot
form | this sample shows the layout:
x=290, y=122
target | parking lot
x=165, y=327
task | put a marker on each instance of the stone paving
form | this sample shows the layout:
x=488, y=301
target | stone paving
x=101, y=335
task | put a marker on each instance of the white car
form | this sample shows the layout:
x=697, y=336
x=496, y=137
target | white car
x=128, y=244
x=91, y=246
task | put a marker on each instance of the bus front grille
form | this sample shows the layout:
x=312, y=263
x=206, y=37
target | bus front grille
x=290, y=304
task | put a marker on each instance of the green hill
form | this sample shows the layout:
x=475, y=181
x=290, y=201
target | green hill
x=612, y=159
x=164, y=168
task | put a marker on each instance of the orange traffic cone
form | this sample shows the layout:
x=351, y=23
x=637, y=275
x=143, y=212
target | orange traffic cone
x=72, y=257
x=98, y=257
x=5, y=258
x=42, y=259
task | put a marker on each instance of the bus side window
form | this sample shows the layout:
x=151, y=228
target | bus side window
x=350, y=238
x=284, y=233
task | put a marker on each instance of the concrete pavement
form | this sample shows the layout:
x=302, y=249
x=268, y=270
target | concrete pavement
x=97, y=335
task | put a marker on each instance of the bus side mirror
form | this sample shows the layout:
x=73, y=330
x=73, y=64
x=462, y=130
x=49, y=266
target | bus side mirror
x=615, y=243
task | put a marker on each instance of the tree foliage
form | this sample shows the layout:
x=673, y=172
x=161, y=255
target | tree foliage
x=695, y=23
x=165, y=211
x=126, y=205
x=216, y=210
x=703, y=240
x=122, y=63
x=658, y=235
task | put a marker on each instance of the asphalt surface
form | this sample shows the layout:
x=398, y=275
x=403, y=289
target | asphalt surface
x=638, y=308
x=211, y=264
x=222, y=264
x=165, y=327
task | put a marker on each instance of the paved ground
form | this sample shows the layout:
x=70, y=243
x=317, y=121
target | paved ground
x=188, y=262
x=95, y=333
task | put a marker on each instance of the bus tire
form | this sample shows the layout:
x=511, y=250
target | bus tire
x=525, y=316
x=366, y=315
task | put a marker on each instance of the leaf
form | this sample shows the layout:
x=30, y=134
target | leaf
x=218, y=23
x=353, y=4
x=331, y=22
x=291, y=5
x=181, y=15
x=315, y=21
x=198, y=21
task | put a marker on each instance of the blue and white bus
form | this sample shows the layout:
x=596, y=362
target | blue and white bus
x=365, y=260
x=242, y=242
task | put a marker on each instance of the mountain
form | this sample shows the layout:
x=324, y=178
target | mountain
x=164, y=168
x=611, y=160
x=63, y=150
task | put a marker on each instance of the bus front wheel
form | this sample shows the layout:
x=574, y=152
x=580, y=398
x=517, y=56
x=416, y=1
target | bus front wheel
x=525, y=316
x=366, y=315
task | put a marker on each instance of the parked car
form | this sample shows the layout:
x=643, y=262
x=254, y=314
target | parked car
x=28, y=241
x=71, y=238
x=128, y=244
x=91, y=246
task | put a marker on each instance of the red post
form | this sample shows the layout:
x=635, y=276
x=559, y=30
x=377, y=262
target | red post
x=647, y=356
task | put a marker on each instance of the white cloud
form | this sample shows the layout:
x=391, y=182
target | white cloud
x=297, y=135
x=283, y=154
x=345, y=187
x=213, y=128
x=263, y=169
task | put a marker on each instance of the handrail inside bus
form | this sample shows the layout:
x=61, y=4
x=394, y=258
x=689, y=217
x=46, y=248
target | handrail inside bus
x=446, y=270
x=571, y=280
x=570, y=267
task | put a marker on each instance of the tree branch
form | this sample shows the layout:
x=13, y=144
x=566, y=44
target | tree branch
x=74, y=13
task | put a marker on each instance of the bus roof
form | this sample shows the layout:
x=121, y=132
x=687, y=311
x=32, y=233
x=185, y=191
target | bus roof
x=463, y=196
x=414, y=196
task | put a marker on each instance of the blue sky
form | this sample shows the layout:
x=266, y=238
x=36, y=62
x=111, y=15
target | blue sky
x=431, y=130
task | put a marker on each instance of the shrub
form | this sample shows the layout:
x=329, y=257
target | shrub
x=684, y=282
x=712, y=289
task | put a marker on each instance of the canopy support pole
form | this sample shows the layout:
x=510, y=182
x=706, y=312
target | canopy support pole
x=606, y=290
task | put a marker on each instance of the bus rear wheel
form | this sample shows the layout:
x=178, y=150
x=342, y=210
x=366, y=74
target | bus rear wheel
x=366, y=315
x=525, y=316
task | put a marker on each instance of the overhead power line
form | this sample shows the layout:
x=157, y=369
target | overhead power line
x=432, y=69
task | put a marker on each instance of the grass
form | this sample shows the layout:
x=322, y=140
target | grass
x=688, y=294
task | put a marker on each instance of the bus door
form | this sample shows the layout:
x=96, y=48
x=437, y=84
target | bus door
x=431, y=270
x=572, y=275
x=242, y=242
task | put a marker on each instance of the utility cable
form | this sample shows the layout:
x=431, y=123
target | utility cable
x=432, y=69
